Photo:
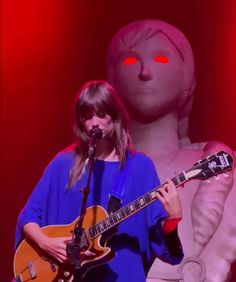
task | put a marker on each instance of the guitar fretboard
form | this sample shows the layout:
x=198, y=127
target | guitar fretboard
x=130, y=209
x=203, y=169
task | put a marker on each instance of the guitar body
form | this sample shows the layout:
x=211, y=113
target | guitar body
x=32, y=264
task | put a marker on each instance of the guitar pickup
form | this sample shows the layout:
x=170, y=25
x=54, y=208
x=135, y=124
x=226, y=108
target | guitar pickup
x=31, y=270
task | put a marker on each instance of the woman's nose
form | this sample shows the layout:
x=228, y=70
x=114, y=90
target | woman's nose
x=95, y=121
x=145, y=73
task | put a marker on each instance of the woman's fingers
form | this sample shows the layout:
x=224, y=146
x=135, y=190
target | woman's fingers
x=168, y=196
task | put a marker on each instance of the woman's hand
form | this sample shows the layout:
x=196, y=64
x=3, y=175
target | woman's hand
x=55, y=247
x=169, y=197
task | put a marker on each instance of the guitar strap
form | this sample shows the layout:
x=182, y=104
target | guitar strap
x=117, y=192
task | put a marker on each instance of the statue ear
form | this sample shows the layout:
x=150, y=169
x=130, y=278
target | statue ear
x=184, y=109
x=184, y=104
x=186, y=100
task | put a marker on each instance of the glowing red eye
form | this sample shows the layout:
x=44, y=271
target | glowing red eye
x=130, y=61
x=161, y=59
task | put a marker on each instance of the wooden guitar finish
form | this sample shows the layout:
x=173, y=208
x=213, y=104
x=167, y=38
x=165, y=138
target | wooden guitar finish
x=31, y=264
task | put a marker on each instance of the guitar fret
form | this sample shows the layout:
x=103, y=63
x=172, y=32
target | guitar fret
x=142, y=203
x=179, y=179
x=98, y=228
x=153, y=195
x=91, y=232
x=95, y=231
x=175, y=180
x=182, y=177
x=111, y=221
x=148, y=198
x=131, y=207
x=108, y=223
x=137, y=205
x=104, y=224
x=127, y=211
x=119, y=215
x=114, y=216
x=122, y=211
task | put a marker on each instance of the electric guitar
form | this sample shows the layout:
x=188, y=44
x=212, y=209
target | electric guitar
x=32, y=264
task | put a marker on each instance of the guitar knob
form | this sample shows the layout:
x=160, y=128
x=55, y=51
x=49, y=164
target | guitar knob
x=66, y=273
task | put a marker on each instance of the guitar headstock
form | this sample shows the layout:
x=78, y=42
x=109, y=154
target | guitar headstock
x=211, y=166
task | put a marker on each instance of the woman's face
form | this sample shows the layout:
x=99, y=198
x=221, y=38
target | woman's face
x=100, y=120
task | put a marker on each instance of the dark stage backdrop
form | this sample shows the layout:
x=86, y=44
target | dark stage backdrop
x=50, y=48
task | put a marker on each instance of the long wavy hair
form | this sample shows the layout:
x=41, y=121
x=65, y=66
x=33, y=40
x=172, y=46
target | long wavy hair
x=100, y=97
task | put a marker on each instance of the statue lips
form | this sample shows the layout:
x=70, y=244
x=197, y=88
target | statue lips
x=146, y=91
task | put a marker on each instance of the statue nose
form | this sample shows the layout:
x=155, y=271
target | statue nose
x=145, y=74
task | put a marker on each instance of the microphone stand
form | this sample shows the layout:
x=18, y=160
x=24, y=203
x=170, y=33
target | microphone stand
x=74, y=247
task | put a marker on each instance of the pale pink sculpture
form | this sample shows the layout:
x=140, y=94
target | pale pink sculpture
x=150, y=63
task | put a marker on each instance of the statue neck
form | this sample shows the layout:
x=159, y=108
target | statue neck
x=156, y=138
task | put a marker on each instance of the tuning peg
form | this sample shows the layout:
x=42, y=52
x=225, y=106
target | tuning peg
x=226, y=174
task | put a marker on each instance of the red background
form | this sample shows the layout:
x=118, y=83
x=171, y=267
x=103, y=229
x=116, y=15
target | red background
x=50, y=48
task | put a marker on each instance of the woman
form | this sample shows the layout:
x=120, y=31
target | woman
x=119, y=172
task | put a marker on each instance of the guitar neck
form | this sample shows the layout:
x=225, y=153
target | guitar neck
x=132, y=208
x=203, y=169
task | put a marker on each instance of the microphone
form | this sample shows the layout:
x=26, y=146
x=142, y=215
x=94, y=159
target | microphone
x=95, y=135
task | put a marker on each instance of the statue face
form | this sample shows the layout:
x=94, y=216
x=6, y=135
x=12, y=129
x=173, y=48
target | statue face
x=149, y=77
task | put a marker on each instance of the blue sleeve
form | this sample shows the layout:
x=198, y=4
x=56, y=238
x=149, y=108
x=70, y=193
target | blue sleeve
x=32, y=211
x=166, y=247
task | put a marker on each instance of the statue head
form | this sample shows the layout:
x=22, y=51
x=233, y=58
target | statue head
x=150, y=64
